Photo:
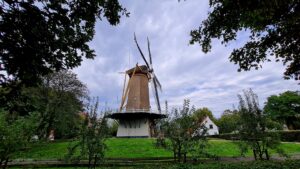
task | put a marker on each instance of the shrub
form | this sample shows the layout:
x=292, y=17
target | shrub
x=186, y=135
x=91, y=142
x=14, y=135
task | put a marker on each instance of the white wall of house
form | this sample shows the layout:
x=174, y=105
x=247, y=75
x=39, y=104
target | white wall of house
x=134, y=128
x=213, y=129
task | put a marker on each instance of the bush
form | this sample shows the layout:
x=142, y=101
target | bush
x=14, y=135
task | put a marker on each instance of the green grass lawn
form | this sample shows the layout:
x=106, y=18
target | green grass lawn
x=136, y=148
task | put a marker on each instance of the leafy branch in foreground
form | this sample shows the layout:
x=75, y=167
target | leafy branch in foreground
x=41, y=36
x=273, y=26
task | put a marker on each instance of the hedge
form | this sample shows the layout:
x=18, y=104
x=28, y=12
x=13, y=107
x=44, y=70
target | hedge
x=290, y=136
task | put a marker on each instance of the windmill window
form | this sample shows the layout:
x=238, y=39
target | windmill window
x=211, y=126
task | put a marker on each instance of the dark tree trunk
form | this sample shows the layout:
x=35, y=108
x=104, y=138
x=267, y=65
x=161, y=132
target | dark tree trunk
x=254, y=153
x=179, y=154
x=267, y=154
x=184, y=157
x=175, y=155
x=95, y=161
x=259, y=150
x=5, y=163
x=90, y=161
x=261, y=156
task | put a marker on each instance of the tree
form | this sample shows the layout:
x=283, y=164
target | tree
x=254, y=127
x=284, y=108
x=273, y=26
x=91, y=143
x=229, y=121
x=57, y=102
x=186, y=135
x=41, y=36
x=200, y=114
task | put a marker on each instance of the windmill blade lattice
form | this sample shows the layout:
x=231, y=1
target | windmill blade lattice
x=141, y=52
x=155, y=82
x=149, y=51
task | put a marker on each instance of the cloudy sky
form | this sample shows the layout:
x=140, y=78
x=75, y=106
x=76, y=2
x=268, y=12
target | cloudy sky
x=208, y=80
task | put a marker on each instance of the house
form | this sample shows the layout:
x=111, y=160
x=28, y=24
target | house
x=212, y=128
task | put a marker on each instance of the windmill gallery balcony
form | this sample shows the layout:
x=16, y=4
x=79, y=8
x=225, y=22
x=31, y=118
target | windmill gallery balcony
x=135, y=113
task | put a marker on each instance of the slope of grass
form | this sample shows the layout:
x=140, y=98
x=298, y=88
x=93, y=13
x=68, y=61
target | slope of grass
x=45, y=150
x=134, y=148
x=137, y=148
x=291, y=147
x=223, y=148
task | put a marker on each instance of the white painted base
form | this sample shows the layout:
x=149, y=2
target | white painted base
x=134, y=128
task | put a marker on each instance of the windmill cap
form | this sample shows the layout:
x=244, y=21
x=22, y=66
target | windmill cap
x=140, y=69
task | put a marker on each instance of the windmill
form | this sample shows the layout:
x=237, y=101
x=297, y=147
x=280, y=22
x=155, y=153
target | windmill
x=135, y=116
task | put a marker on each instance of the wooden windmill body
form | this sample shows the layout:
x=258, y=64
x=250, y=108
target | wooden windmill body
x=135, y=116
x=138, y=94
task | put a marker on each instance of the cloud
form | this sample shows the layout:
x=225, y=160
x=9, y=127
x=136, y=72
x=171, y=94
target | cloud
x=209, y=80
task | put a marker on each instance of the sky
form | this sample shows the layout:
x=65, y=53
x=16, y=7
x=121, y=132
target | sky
x=185, y=72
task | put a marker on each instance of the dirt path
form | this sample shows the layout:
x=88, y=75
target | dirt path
x=132, y=161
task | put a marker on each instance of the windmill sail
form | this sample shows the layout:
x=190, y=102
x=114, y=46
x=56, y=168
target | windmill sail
x=156, y=96
x=150, y=58
x=141, y=51
x=155, y=81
